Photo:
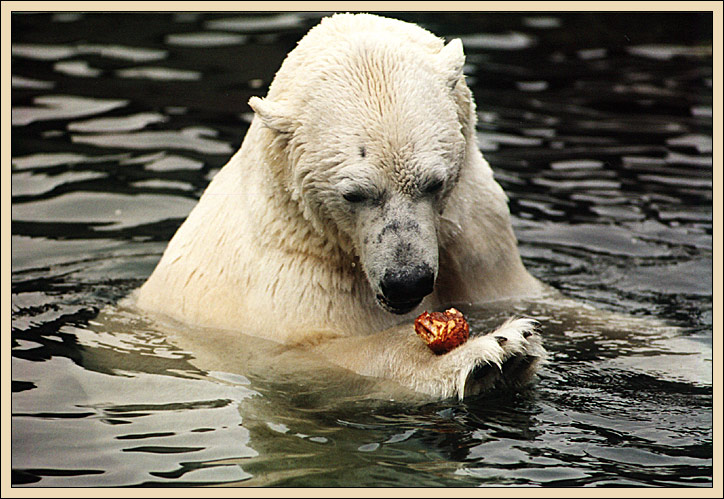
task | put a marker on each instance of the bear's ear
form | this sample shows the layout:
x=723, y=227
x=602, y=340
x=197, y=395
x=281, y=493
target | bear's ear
x=273, y=115
x=451, y=60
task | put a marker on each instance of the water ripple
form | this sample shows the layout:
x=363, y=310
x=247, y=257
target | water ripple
x=190, y=139
x=56, y=107
x=159, y=73
x=117, y=124
x=57, y=52
x=497, y=41
x=261, y=23
x=205, y=39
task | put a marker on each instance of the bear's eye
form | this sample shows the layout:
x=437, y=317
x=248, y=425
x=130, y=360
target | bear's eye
x=433, y=187
x=354, y=197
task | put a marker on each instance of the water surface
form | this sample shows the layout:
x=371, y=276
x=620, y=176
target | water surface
x=599, y=127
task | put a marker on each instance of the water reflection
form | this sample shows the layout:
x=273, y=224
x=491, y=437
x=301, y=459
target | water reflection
x=205, y=39
x=119, y=124
x=495, y=41
x=193, y=139
x=55, y=107
x=57, y=52
x=77, y=68
x=165, y=162
x=159, y=73
x=30, y=83
x=273, y=23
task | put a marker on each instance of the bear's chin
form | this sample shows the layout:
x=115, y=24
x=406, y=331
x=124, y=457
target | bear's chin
x=400, y=308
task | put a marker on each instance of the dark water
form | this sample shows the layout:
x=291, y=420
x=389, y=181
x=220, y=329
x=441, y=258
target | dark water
x=598, y=126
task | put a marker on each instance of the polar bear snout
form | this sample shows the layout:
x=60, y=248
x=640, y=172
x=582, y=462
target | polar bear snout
x=399, y=251
x=404, y=288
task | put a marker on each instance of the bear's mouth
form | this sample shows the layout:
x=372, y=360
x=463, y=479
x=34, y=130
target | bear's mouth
x=398, y=308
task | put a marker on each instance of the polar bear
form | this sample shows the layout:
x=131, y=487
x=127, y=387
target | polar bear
x=358, y=199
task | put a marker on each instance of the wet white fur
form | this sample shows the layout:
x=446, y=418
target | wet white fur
x=398, y=354
x=266, y=251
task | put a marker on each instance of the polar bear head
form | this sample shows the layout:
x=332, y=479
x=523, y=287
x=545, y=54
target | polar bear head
x=368, y=121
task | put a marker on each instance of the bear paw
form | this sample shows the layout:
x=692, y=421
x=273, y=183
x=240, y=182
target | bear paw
x=505, y=358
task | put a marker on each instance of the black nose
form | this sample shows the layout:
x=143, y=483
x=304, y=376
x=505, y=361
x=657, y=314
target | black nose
x=407, y=284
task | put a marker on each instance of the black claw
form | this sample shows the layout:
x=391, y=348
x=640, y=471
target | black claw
x=527, y=334
x=501, y=339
